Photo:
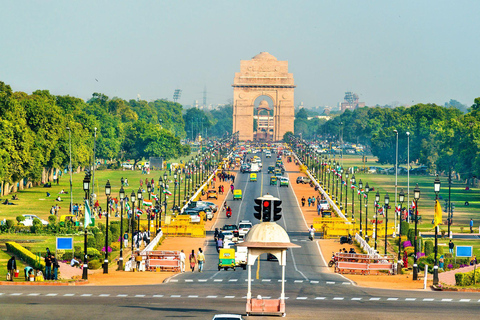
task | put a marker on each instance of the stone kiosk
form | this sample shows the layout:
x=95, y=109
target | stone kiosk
x=264, y=75
x=267, y=237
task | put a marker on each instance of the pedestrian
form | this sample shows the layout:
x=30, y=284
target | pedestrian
x=125, y=240
x=451, y=245
x=193, y=260
x=11, y=267
x=182, y=261
x=219, y=244
x=48, y=266
x=471, y=225
x=319, y=208
x=28, y=271
x=201, y=259
x=313, y=201
x=232, y=187
x=55, y=267
x=303, y=201
x=215, y=235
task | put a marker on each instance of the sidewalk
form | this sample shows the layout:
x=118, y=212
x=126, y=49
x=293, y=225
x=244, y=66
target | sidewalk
x=448, y=277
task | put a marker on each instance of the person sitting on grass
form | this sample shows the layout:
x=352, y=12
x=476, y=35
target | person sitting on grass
x=58, y=199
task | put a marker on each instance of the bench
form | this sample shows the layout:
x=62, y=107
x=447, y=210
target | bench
x=163, y=264
x=363, y=267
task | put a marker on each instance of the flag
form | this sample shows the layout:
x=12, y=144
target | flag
x=127, y=206
x=397, y=209
x=168, y=193
x=88, y=214
x=352, y=186
x=437, y=218
x=147, y=203
x=380, y=211
x=344, y=183
x=413, y=205
x=154, y=196
x=358, y=191
x=139, y=212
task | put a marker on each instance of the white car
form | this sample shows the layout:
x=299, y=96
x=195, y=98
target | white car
x=324, y=205
x=28, y=222
x=243, y=227
x=127, y=165
x=228, y=235
x=227, y=317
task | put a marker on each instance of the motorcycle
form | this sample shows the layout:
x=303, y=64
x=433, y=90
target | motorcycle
x=345, y=239
x=229, y=213
x=332, y=261
x=311, y=235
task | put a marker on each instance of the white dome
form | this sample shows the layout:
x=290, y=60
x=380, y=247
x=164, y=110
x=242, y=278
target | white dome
x=267, y=232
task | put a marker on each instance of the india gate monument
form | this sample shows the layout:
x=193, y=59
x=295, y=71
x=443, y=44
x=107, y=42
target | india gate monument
x=260, y=79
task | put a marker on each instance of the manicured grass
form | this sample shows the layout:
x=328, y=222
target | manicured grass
x=4, y=257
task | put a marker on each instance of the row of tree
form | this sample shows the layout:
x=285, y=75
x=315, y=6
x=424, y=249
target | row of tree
x=35, y=137
x=441, y=138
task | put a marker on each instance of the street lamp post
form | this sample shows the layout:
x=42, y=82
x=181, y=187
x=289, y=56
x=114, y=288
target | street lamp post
x=360, y=186
x=387, y=202
x=70, y=167
x=108, y=190
x=396, y=175
x=416, y=196
x=133, y=199
x=377, y=203
x=139, y=198
x=408, y=176
x=352, y=182
x=329, y=172
x=401, y=200
x=367, y=189
x=149, y=189
x=174, y=189
x=86, y=189
x=436, y=185
x=122, y=197
x=346, y=190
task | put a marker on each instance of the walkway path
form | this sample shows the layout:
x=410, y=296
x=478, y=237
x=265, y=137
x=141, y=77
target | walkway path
x=449, y=276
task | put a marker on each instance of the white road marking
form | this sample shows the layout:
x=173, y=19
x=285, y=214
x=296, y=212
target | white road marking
x=217, y=280
x=280, y=280
x=464, y=300
x=446, y=300
x=193, y=296
x=174, y=280
x=202, y=280
x=298, y=281
x=175, y=296
x=392, y=299
x=215, y=274
x=303, y=240
x=266, y=297
x=158, y=295
x=211, y=297
x=52, y=294
x=410, y=299
x=104, y=295
x=356, y=299
x=428, y=299
x=84, y=295
x=314, y=281
x=232, y=280
x=266, y=280
x=301, y=298
x=338, y=298
x=374, y=299
x=139, y=295
x=122, y=295
x=69, y=294
x=294, y=240
x=229, y=297
x=330, y=282
x=16, y=294
x=346, y=283
x=34, y=294
x=320, y=298
x=188, y=280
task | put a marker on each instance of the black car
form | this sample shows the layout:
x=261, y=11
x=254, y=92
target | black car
x=271, y=169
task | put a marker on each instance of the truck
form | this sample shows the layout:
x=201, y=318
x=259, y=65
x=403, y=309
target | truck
x=241, y=257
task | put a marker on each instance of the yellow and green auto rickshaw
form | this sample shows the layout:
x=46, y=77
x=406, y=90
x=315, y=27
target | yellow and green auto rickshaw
x=278, y=173
x=237, y=194
x=273, y=180
x=226, y=259
x=253, y=177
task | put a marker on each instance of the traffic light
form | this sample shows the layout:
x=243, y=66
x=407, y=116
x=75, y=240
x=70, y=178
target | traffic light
x=266, y=210
x=276, y=210
x=258, y=209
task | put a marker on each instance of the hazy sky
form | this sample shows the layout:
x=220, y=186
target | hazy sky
x=386, y=51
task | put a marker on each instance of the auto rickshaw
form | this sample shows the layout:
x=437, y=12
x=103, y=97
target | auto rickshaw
x=278, y=173
x=226, y=259
x=253, y=177
x=273, y=180
x=69, y=217
x=237, y=194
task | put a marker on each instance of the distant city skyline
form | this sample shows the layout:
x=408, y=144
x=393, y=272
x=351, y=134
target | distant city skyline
x=388, y=53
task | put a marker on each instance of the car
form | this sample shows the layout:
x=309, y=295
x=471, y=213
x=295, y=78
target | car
x=304, y=180
x=227, y=236
x=244, y=168
x=194, y=215
x=212, y=194
x=324, y=205
x=231, y=227
x=271, y=257
x=212, y=205
x=271, y=169
x=284, y=182
x=127, y=165
x=227, y=317
x=268, y=155
x=243, y=227
x=28, y=222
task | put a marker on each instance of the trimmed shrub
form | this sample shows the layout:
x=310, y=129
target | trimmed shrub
x=94, y=264
x=26, y=255
x=459, y=279
x=52, y=219
x=91, y=242
x=428, y=247
x=405, y=228
x=20, y=219
x=93, y=253
x=409, y=251
x=10, y=224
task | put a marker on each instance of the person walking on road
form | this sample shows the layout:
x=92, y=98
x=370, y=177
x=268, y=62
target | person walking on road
x=11, y=267
x=303, y=201
x=451, y=245
x=193, y=260
x=201, y=259
x=182, y=261
x=471, y=225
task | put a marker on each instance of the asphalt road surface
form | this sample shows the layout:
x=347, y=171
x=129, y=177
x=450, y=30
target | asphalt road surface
x=312, y=292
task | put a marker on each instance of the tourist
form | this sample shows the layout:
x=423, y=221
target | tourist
x=182, y=261
x=201, y=259
x=48, y=266
x=193, y=260
x=303, y=201
x=451, y=245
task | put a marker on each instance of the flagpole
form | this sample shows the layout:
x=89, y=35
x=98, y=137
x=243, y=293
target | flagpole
x=436, y=220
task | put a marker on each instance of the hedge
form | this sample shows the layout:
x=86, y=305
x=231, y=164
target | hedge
x=466, y=278
x=26, y=255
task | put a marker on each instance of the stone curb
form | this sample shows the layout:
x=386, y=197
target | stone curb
x=45, y=283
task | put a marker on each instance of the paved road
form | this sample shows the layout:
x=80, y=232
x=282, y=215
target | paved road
x=311, y=290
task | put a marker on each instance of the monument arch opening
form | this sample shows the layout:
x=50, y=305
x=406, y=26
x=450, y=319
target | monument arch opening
x=266, y=81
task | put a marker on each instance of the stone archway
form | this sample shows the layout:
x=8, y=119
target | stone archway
x=263, y=75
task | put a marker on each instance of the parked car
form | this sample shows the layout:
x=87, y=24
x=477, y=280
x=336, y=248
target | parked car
x=212, y=205
x=324, y=205
x=28, y=222
x=304, y=180
x=127, y=165
x=194, y=214
x=212, y=194
x=419, y=170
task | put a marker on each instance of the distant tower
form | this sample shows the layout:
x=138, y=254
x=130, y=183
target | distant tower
x=176, y=95
x=205, y=97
